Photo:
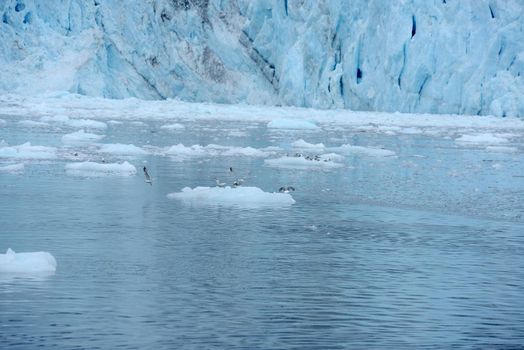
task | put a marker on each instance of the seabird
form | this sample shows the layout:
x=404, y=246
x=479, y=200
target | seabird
x=148, y=178
x=286, y=189
x=220, y=184
x=238, y=182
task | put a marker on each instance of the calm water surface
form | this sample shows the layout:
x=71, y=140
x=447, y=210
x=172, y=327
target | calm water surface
x=421, y=251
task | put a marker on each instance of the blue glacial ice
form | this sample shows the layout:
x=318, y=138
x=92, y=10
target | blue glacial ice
x=462, y=57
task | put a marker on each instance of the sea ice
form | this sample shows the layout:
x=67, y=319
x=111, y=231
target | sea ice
x=26, y=151
x=287, y=162
x=182, y=152
x=75, y=123
x=483, y=139
x=303, y=145
x=32, y=124
x=174, y=126
x=12, y=168
x=100, y=169
x=232, y=196
x=122, y=149
x=34, y=262
x=361, y=150
x=293, y=124
x=80, y=137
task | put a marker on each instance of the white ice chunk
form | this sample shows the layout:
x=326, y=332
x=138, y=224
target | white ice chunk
x=483, y=139
x=361, y=150
x=302, y=163
x=182, y=152
x=33, y=124
x=75, y=123
x=303, y=145
x=294, y=124
x=122, y=149
x=174, y=126
x=12, y=168
x=26, y=151
x=80, y=137
x=34, y=262
x=100, y=169
x=228, y=196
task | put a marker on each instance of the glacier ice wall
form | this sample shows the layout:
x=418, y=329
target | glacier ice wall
x=435, y=56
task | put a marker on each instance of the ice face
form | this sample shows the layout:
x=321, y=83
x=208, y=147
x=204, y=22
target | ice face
x=462, y=57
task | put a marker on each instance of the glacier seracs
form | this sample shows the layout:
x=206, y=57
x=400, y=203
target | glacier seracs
x=460, y=57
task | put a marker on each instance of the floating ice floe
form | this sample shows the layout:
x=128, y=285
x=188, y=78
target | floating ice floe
x=361, y=150
x=319, y=163
x=32, y=124
x=292, y=124
x=81, y=137
x=100, y=169
x=12, y=168
x=34, y=262
x=303, y=145
x=122, y=149
x=182, y=152
x=174, y=126
x=27, y=151
x=502, y=149
x=75, y=123
x=483, y=139
x=232, y=196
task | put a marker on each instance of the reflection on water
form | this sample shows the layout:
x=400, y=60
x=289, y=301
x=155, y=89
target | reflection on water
x=342, y=268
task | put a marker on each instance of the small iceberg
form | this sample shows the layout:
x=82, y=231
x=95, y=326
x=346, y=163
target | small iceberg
x=122, y=149
x=100, y=169
x=292, y=124
x=12, y=168
x=80, y=137
x=174, y=126
x=299, y=162
x=232, y=196
x=482, y=139
x=33, y=262
x=27, y=151
x=364, y=151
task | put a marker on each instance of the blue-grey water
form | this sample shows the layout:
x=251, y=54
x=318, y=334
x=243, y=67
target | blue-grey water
x=421, y=251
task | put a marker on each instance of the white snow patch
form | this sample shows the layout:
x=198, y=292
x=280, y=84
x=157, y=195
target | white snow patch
x=33, y=262
x=287, y=162
x=100, y=169
x=80, y=137
x=122, y=149
x=228, y=196
x=26, y=151
x=12, y=168
x=174, y=126
x=293, y=124
x=361, y=150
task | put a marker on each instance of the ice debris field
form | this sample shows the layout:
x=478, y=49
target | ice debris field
x=246, y=157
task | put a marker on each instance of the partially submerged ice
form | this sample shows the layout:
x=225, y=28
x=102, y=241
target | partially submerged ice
x=31, y=262
x=232, y=196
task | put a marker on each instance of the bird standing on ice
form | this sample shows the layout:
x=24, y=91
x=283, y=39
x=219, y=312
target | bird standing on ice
x=148, y=178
